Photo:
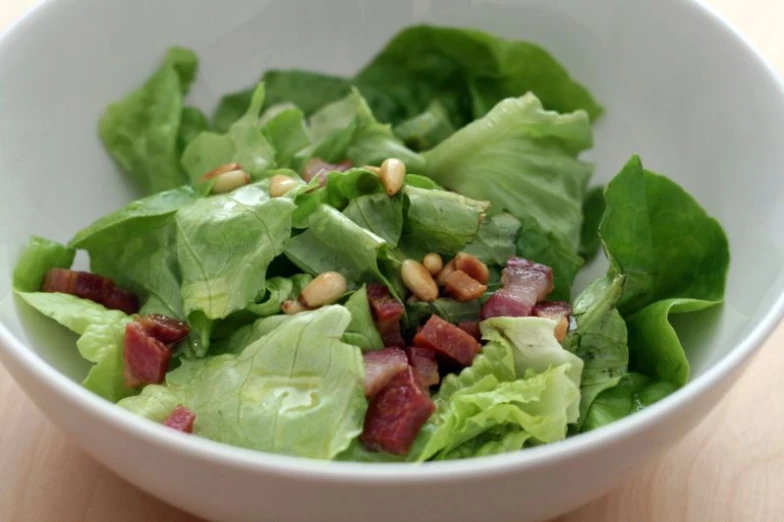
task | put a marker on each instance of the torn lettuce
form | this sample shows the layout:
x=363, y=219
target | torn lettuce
x=142, y=131
x=38, y=257
x=633, y=393
x=102, y=334
x=297, y=390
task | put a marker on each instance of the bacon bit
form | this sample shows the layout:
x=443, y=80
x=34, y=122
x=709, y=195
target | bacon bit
x=525, y=283
x=472, y=266
x=449, y=340
x=146, y=358
x=97, y=288
x=521, y=272
x=396, y=414
x=387, y=312
x=463, y=287
x=181, y=419
x=423, y=360
x=317, y=167
x=123, y=300
x=381, y=366
x=165, y=329
x=472, y=329
x=558, y=311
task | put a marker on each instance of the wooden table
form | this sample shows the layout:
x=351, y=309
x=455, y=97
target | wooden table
x=731, y=468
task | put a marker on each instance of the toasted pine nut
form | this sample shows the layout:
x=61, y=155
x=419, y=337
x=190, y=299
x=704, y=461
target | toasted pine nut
x=280, y=185
x=229, y=181
x=217, y=171
x=561, y=328
x=371, y=168
x=418, y=280
x=392, y=175
x=472, y=266
x=444, y=273
x=433, y=263
x=325, y=288
x=290, y=307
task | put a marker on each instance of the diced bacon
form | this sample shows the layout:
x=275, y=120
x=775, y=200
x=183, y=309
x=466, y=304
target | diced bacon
x=558, y=311
x=97, y=288
x=381, y=366
x=448, y=340
x=123, y=300
x=396, y=414
x=525, y=283
x=166, y=329
x=505, y=303
x=423, y=360
x=552, y=309
x=463, y=287
x=317, y=167
x=472, y=266
x=181, y=419
x=146, y=358
x=523, y=273
x=472, y=329
x=387, y=312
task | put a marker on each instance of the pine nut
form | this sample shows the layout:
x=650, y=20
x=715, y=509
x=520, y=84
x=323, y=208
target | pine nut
x=229, y=181
x=325, y=288
x=217, y=171
x=418, y=280
x=433, y=263
x=444, y=273
x=472, y=266
x=371, y=168
x=290, y=307
x=280, y=185
x=392, y=175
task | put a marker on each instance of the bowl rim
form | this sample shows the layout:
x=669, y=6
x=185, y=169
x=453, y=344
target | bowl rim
x=12, y=347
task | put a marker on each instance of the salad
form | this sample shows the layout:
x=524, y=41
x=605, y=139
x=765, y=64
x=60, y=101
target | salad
x=380, y=268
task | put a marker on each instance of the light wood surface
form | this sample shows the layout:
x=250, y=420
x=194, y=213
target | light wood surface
x=731, y=468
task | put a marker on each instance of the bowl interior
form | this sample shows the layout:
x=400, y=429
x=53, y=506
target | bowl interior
x=679, y=89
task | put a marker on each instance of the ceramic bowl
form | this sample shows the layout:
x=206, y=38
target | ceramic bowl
x=681, y=88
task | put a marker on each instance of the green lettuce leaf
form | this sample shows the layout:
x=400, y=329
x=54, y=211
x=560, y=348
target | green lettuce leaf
x=467, y=72
x=662, y=240
x=593, y=210
x=347, y=129
x=335, y=243
x=287, y=133
x=599, y=339
x=439, y=221
x=535, y=348
x=521, y=159
x=38, y=257
x=243, y=143
x=656, y=350
x=427, y=129
x=135, y=246
x=546, y=248
x=102, y=334
x=225, y=244
x=361, y=330
x=634, y=392
x=378, y=213
x=192, y=123
x=298, y=390
x=495, y=241
x=142, y=130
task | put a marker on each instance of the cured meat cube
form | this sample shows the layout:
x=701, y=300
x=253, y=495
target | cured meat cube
x=423, y=360
x=396, y=414
x=448, y=340
x=381, y=366
x=146, y=358
x=463, y=287
x=181, y=419
x=166, y=329
x=472, y=329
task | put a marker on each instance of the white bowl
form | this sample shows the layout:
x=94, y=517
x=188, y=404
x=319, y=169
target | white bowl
x=680, y=87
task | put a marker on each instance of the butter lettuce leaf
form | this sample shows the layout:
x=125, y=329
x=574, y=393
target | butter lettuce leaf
x=361, y=331
x=521, y=159
x=495, y=241
x=427, y=129
x=298, y=390
x=102, y=334
x=38, y=257
x=142, y=131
